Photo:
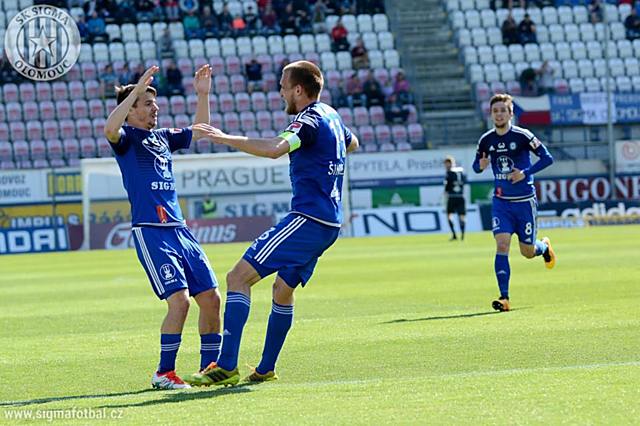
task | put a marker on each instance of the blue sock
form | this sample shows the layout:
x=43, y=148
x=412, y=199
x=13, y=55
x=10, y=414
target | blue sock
x=169, y=345
x=280, y=322
x=503, y=273
x=540, y=247
x=209, y=348
x=236, y=312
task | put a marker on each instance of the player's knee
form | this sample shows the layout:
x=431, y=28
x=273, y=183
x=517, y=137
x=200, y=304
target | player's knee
x=502, y=246
x=180, y=305
x=234, y=281
x=528, y=251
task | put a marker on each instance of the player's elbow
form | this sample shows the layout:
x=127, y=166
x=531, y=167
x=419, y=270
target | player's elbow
x=354, y=145
x=111, y=134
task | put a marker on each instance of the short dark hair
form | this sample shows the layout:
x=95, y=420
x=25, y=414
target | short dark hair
x=123, y=91
x=502, y=97
x=306, y=74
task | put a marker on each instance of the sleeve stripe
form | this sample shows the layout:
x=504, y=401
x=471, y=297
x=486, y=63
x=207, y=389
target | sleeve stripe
x=293, y=140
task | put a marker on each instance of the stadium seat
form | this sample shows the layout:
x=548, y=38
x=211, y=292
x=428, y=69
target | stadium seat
x=83, y=128
x=274, y=101
x=380, y=22
x=96, y=109
x=247, y=121
x=13, y=111
x=43, y=90
x=472, y=19
x=76, y=90
x=30, y=110
x=328, y=61
x=386, y=147
x=631, y=67
x=3, y=113
x=275, y=44
x=516, y=53
x=67, y=129
x=376, y=115
x=4, y=131
x=104, y=148
x=485, y=55
x=38, y=149
x=221, y=84
x=479, y=37
x=578, y=50
x=365, y=23
x=59, y=91
x=464, y=37
x=263, y=119
x=231, y=122
x=97, y=125
x=616, y=66
x=625, y=49
x=6, y=152
x=70, y=147
x=569, y=70
x=165, y=122
x=488, y=18
x=500, y=53
x=346, y=115
x=242, y=102
x=258, y=101
x=561, y=86
x=507, y=71
x=571, y=32
x=280, y=120
x=623, y=83
x=20, y=150
x=226, y=102
x=27, y=92
x=80, y=109
x=549, y=15
x=343, y=60
x=580, y=14
x=491, y=73
x=470, y=55
x=556, y=33
x=323, y=43
x=587, y=32
x=383, y=134
x=585, y=68
x=576, y=85
x=599, y=67
x=399, y=133
x=238, y=83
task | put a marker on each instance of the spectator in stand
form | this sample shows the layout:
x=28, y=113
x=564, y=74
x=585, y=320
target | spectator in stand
x=595, y=11
x=174, y=80
x=359, y=55
x=144, y=10
x=373, y=91
x=225, y=21
x=251, y=20
x=209, y=23
x=395, y=111
x=83, y=29
x=188, y=6
x=402, y=89
x=319, y=15
x=339, y=36
x=164, y=46
x=510, y=31
x=527, y=30
x=354, y=92
x=172, y=10
x=632, y=25
x=253, y=72
x=97, y=28
x=270, y=21
x=369, y=7
x=191, y=25
x=89, y=7
x=304, y=22
x=545, y=78
x=288, y=20
x=108, y=81
x=125, y=76
x=238, y=25
x=138, y=72
x=528, y=83
x=125, y=12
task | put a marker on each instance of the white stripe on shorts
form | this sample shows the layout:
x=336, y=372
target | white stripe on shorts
x=279, y=238
x=155, y=280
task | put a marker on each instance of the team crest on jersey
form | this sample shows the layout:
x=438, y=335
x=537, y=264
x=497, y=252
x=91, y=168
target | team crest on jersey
x=161, y=164
x=294, y=127
x=495, y=223
x=535, y=143
x=505, y=164
x=512, y=146
x=175, y=131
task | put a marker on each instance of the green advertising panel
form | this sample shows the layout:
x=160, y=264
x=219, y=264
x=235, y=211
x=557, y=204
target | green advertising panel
x=402, y=196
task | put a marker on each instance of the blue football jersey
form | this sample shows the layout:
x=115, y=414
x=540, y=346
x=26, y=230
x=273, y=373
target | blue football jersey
x=317, y=163
x=146, y=164
x=510, y=151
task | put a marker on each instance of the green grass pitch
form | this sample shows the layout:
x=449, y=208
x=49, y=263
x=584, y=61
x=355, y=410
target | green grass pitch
x=389, y=331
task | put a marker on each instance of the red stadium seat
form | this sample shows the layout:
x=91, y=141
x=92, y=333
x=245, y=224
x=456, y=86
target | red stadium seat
x=6, y=153
x=221, y=84
x=20, y=150
x=247, y=121
x=347, y=116
x=92, y=89
x=38, y=149
x=360, y=116
x=231, y=122
x=27, y=92
x=50, y=129
x=47, y=110
x=399, y=133
x=88, y=147
x=80, y=109
x=63, y=110
x=98, y=127
x=178, y=105
x=54, y=149
x=226, y=102
x=71, y=148
x=60, y=91
x=76, y=90
x=366, y=135
x=68, y=129
x=30, y=110
x=383, y=134
x=83, y=128
x=34, y=130
x=263, y=119
x=17, y=130
x=13, y=112
x=4, y=131
x=242, y=101
x=213, y=103
x=238, y=83
x=376, y=115
x=104, y=147
x=192, y=104
x=280, y=120
x=43, y=91
x=96, y=109
x=233, y=65
x=258, y=101
x=10, y=93
x=274, y=101
x=416, y=134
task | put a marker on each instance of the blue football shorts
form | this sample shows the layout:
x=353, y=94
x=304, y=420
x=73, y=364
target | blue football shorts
x=291, y=248
x=173, y=260
x=515, y=217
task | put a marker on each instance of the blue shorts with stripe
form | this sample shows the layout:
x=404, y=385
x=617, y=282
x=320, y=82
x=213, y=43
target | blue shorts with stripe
x=515, y=217
x=173, y=260
x=291, y=248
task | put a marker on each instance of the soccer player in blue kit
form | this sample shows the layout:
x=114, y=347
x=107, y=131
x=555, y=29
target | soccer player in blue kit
x=506, y=148
x=175, y=264
x=317, y=143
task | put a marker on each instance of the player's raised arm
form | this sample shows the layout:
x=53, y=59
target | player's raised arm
x=261, y=147
x=202, y=86
x=119, y=114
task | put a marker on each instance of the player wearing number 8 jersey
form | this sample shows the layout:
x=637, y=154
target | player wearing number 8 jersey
x=317, y=143
x=506, y=148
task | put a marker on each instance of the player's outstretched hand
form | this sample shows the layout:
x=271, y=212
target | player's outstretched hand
x=484, y=161
x=205, y=131
x=146, y=79
x=516, y=175
x=202, y=80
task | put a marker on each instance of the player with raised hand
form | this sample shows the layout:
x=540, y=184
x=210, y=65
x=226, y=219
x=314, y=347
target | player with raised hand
x=175, y=264
x=317, y=143
x=506, y=148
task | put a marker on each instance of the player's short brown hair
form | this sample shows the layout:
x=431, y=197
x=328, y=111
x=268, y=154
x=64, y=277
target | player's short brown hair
x=502, y=97
x=123, y=91
x=306, y=74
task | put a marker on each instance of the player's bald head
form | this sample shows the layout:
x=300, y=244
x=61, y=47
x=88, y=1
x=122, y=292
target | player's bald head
x=307, y=75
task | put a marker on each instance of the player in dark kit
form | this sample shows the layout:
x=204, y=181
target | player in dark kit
x=454, y=182
x=507, y=149
x=317, y=143
x=175, y=263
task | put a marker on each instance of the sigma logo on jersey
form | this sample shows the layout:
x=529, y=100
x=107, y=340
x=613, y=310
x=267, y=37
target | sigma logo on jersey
x=505, y=166
x=336, y=169
x=161, y=164
x=168, y=273
x=294, y=127
x=534, y=143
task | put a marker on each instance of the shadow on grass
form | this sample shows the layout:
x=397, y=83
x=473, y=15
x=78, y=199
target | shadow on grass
x=173, y=396
x=70, y=398
x=444, y=317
